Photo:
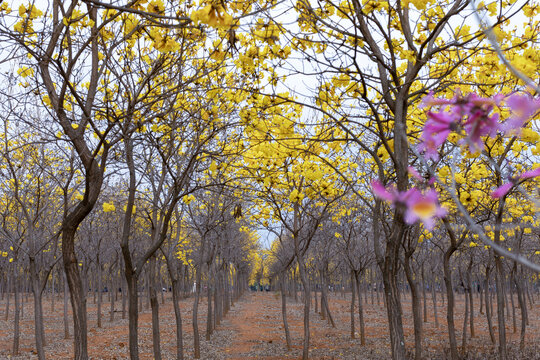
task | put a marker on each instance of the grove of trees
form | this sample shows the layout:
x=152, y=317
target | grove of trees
x=383, y=146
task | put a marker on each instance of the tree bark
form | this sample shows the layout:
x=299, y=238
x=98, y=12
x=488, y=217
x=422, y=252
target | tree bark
x=154, y=304
x=360, y=310
x=284, y=314
x=66, y=300
x=195, y=323
x=178, y=318
x=488, y=307
x=37, y=290
x=353, y=300
x=99, y=290
x=415, y=303
x=133, y=313
x=450, y=306
x=76, y=291
x=16, y=320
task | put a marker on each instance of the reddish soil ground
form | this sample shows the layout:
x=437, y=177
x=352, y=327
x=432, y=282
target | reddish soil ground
x=253, y=329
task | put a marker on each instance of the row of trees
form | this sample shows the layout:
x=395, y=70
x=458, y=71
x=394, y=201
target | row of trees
x=187, y=124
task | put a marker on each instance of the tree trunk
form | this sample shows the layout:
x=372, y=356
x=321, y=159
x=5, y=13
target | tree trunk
x=499, y=279
x=124, y=297
x=9, y=286
x=434, y=298
x=178, y=318
x=307, y=301
x=353, y=300
x=424, y=298
x=481, y=295
x=415, y=302
x=465, y=318
x=488, y=308
x=52, y=291
x=76, y=292
x=154, y=304
x=209, y=307
x=360, y=310
x=471, y=302
x=133, y=314
x=523, y=307
x=393, y=306
x=16, y=320
x=66, y=300
x=450, y=306
x=284, y=314
x=99, y=290
x=113, y=292
x=195, y=323
x=39, y=330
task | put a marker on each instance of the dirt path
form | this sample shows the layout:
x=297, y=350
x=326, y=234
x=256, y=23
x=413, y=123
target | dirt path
x=255, y=320
x=253, y=329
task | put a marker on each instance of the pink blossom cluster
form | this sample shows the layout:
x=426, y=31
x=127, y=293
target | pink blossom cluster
x=418, y=205
x=474, y=116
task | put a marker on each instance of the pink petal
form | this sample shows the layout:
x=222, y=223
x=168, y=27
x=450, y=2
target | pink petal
x=429, y=100
x=523, y=107
x=380, y=191
x=414, y=173
x=530, y=174
x=501, y=190
x=410, y=217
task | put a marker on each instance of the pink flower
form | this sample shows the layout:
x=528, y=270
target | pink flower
x=436, y=131
x=424, y=207
x=479, y=124
x=522, y=108
x=418, y=206
x=505, y=188
x=470, y=113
